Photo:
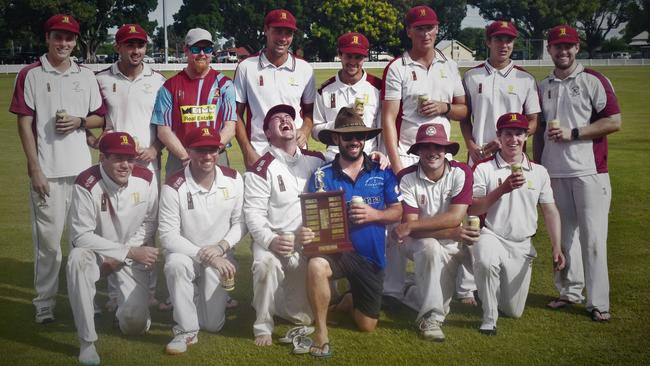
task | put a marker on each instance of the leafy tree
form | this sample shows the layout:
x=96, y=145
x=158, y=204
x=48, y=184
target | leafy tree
x=25, y=19
x=638, y=13
x=377, y=20
x=474, y=38
x=174, y=40
x=614, y=44
x=599, y=18
x=532, y=17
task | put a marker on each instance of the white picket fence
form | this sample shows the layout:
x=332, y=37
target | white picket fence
x=12, y=69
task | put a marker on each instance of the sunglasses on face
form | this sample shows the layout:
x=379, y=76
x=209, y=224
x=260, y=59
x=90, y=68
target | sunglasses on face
x=197, y=49
x=361, y=136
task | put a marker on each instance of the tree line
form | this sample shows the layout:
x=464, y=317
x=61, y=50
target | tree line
x=320, y=22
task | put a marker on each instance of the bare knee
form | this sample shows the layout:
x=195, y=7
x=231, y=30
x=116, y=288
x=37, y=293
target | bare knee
x=319, y=268
x=365, y=323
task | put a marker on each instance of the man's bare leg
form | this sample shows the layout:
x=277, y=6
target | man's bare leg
x=318, y=292
x=263, y=340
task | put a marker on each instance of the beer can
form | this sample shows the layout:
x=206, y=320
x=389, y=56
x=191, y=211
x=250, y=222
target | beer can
x=359, y=105
x=289, y=235
x=421, y=99
x=357, y=199
x=473, y=222
x=553, y=124
x=228, y=283
x=61, y=114
x=515, y=168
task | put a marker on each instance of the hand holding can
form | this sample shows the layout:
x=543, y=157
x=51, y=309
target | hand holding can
x=422, y=98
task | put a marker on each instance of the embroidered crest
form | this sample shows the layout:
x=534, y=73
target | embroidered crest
x=431, y=131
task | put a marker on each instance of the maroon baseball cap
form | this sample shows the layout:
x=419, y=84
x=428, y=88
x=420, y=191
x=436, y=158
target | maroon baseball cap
x=280, y=18
x=420, y=15
x=433, y=133
x=563, y=34
x=130, y=31
x=203, y=137
x=62, y=22
x=280, y=108
x=117, y=143
x=501, y=27
x=353, y=42
x=512, y=120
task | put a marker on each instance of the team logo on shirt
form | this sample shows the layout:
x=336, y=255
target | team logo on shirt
x=198, y=113
x=76, y=87
x=575, y=91
x=136, y=197
x=225, y=193
x=442, y=74
x=374, y=182
x=293, y=82
x=147, y=88
x=511, y=89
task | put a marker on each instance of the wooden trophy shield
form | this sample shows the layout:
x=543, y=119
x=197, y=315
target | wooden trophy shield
x=326, y=214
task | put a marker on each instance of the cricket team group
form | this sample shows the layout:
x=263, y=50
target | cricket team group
x=388, y=150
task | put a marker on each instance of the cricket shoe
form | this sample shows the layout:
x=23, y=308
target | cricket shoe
x=180, y=342
x=430, y=329
x=44, y=315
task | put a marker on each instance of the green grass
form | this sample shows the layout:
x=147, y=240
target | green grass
x=541, y=336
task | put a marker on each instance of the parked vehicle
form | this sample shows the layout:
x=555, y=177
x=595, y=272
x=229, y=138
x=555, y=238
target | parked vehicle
x=621, y=55
x=226, y=57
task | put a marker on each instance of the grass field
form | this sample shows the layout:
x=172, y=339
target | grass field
x=541, y=336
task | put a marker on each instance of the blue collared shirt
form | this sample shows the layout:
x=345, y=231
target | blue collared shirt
x=379, y=188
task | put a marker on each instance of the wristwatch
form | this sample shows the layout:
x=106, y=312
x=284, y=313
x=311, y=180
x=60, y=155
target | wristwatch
x=448, y=109
x=82, y=124
x=575, y=134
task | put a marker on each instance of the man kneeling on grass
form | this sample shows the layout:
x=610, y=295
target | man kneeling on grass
x=113, y=222
x=355, y=173
x=507, y=189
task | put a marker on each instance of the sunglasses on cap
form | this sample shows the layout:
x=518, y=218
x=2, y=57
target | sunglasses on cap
x=197, y=49
x=361, y=136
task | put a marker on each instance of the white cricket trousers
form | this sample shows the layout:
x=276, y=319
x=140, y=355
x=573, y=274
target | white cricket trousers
x=502, y=271
x=49, y=218
x=436, y=266
x=584, y=203
x=206, y=310
x=132, y=308
x=278, y=290
x=395, y=270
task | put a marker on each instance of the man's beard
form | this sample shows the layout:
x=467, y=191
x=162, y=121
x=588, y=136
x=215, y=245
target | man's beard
x=347, y=156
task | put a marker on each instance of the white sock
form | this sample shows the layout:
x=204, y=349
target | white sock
x=87, y=353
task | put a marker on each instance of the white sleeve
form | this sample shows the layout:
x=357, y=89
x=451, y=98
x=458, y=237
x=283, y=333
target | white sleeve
x=309, y=94
x=237, y=221
x=480, y=188
x=546, y=192
x=407, y=188
x=83, y=223
x=96, y=100
x=531, y=104
x=257, y=193
x=146, y=233
x=459, y=90
x=319, y=117
x=169, y=227
x=392, y=83
x=240, y=84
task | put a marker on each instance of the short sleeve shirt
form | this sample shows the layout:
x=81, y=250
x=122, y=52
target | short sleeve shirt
x=580, y=99
x=130, y=103
x=379, y=189
x=405, y=79
x=261, y=85
x=184, y=103
x=492, y=93
x=335, y=94
x=514, y=215
x=40, y=91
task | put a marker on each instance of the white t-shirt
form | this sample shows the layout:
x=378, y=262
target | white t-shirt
x=261, y=85
x=514, y=215
x=492, y=93
x=40, y=91
x=130, y=103
x=335, y=94
x=405, y=79
x=580, y=99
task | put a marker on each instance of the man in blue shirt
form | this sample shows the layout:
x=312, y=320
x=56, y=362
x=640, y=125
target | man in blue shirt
x=355, y=173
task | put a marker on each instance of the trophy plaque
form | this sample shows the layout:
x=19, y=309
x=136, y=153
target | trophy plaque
x=325, y=213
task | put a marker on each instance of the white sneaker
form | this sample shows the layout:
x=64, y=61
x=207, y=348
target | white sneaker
x=44, y=315
x=87, y=353
x=180, y=342
x=430, y=329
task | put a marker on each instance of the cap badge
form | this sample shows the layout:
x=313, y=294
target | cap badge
x=562, y=31
x=355, y=39
x=513, y=117
x=132, y=29
x=431, y=131
x=125, y=140
x=206, y=132
x=504, y=24
x=65, y=19
x=283, y=16
x=423, y=12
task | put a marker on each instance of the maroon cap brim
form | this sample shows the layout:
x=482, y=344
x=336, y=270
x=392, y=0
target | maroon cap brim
x=354, y=50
